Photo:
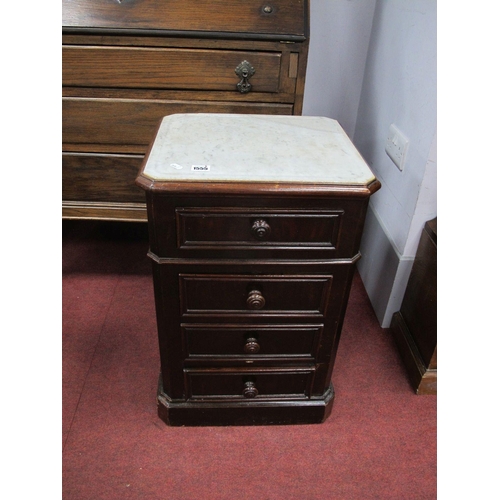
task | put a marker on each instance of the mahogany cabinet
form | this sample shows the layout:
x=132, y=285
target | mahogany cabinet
x=255, y=223
x=126, y=64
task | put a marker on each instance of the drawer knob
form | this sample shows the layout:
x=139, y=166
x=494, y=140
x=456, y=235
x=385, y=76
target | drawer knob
x=255, y=300
x=244, y=70
x=250, y=391
x=267, y=9
x=252, y=346
x=261, y=229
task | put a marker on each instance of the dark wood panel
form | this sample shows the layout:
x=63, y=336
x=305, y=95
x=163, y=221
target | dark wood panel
x=236, y=227
x=250, y=295
x=251, y=341
x=160, y=68
x=94, y=177
x=134, y=121
x=419, y=306
x=215, y=383
x=232, y=16
x=240, y=412
x=303, y=225
x=414, y=326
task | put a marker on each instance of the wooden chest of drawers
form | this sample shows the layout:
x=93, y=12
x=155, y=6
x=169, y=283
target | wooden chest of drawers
x=255, y=224
x=128, y=63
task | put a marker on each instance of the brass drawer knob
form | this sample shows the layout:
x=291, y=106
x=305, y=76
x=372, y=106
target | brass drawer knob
x=261, y=229
x=267, y=9
x=244, y=70
x=255, y=300
x=250, y=391
x=251, y=346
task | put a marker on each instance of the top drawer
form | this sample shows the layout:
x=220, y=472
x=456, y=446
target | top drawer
x=259, y=228
x=239, y=228
x=284, y=18
x=258, y=232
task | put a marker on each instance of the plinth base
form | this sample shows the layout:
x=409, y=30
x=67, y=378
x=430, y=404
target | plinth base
x=255, y=412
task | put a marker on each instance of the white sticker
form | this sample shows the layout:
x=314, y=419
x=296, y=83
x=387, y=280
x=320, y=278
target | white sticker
x=200, y=168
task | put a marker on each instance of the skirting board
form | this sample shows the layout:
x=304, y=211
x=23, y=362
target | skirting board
x=383, y=270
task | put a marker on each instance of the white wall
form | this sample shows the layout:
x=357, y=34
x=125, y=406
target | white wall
x=399, y=87
x=373, y=63
x=340, y=33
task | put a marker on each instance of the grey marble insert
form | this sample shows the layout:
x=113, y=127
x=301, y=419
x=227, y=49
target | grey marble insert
x=255, y=148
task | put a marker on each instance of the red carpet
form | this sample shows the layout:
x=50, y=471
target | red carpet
x=378, y=443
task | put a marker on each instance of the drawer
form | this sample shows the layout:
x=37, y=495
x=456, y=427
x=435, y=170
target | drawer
x=126, y=123
x=262, y=295
x=254, y=226
x=230, y=16
x=244, y=384
x=234, y=228
x=252, y=341
x=95, y=177
x=167, y=68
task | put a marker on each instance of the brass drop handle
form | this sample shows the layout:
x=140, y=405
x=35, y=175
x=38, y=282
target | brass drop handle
x=255, y=300
x=250, y=391
x=245, y=71
x=251, y=346
x=261, y=229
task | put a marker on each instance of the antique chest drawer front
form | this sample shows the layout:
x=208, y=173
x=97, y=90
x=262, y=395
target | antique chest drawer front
x=251, y=340
x=167, y=68
x=247, y=229
x=254, y=295
x=249, y=384
x=232, y=16
x=97, y=177
x=129, y=122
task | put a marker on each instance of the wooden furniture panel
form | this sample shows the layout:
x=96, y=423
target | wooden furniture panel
x=272, y=227
x=127, y=64
x=130, y=123
x=277, y=17
x=251, y=341
x=414, y=326
x=166, y=68
x=80, y=171
x=246, y=295
x=234, y=227
x=247, y=384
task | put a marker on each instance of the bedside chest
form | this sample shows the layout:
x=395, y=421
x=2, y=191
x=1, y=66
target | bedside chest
x=128, y=63
x=255, y=224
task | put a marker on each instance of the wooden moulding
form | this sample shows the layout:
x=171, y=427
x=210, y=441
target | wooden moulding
x=200, y=413
x=128, y=212
x=261, y=189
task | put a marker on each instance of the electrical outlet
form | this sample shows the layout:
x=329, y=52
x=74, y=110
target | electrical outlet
x=396, y=146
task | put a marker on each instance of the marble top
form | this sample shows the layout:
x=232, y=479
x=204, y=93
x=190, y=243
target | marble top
x=211, y=147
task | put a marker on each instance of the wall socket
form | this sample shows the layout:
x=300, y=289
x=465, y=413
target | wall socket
x=396, y=146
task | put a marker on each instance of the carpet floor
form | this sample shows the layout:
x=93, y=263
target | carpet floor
x=378, y=443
